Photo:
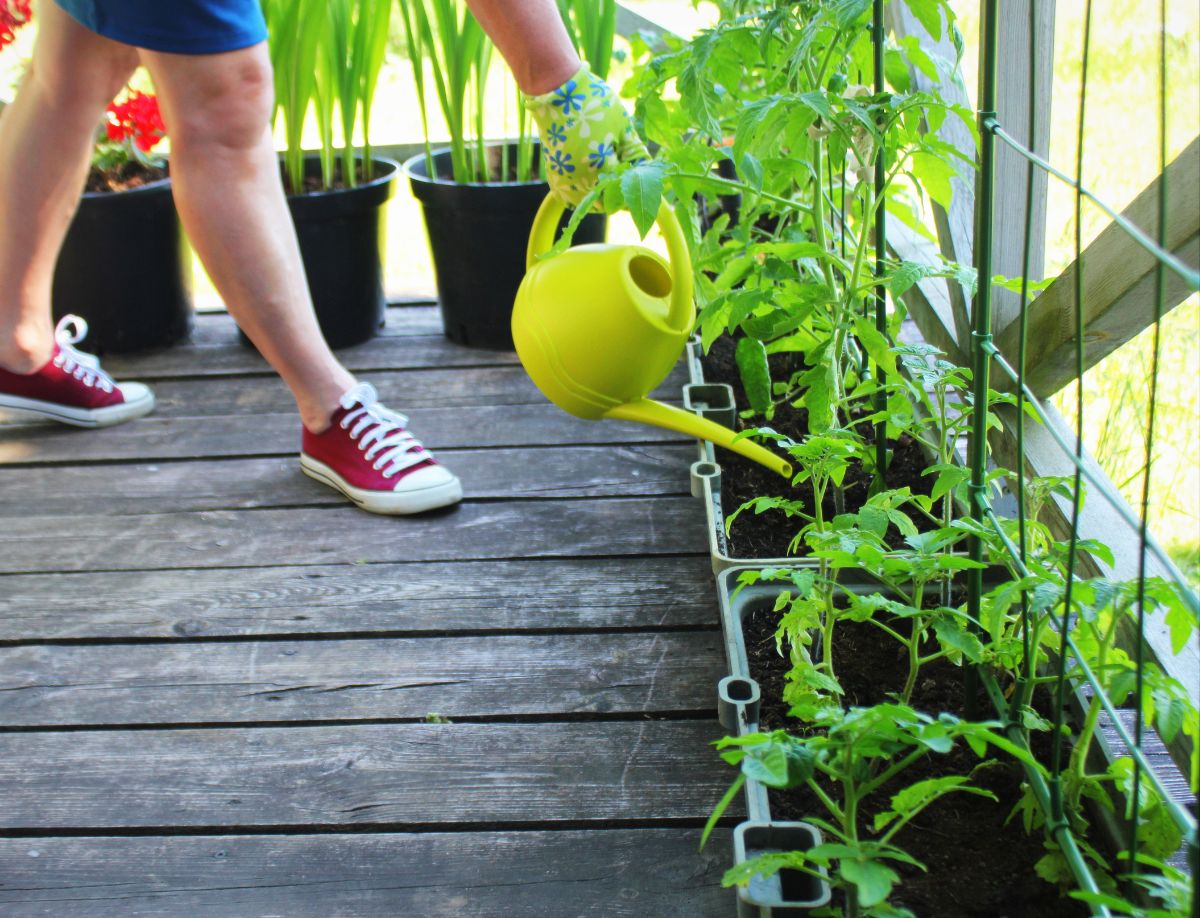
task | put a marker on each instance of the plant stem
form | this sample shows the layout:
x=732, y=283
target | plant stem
x=742, y=186
x=914, y=645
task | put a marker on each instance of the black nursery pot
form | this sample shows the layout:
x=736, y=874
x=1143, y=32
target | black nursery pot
x=478, y=234
x=125, y=268
x=342, y=235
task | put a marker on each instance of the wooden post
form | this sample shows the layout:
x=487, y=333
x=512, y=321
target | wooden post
x=1012, y=169
x=956, y=227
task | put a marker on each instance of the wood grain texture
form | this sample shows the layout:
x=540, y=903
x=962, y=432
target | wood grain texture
x=247, y=434
x=493, y=596
x=403, y=390
x=397, y=776
x=395, y=678
x=606, y=874
x=218, y=328
x=409, y=342
x=243, y=484
x=330, y=535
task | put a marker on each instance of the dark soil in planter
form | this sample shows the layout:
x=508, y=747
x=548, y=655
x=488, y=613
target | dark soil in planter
x=978, y=867
x=767, y=535
x=129, y=175
x=313, y=184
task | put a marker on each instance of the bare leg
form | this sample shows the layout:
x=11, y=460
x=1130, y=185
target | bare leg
x=45, y=147
x=228, y=191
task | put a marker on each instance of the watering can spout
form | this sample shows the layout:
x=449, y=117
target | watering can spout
x=656, y=414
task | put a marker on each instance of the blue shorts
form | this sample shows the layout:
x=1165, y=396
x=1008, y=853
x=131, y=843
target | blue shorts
x=173, y=26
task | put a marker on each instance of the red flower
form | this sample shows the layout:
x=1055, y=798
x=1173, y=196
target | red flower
x=13, y=15
x=137, y=119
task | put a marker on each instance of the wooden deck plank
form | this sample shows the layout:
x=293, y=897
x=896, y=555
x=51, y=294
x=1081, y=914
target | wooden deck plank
x=202, y=648
x=323, y=535
x=394, y=678
x=242, y=484
x=399, y=776
x=611, y=874
x=218, y=329
x=397, y=352
x=154, y=438
x=399, y=389
x=487, y=596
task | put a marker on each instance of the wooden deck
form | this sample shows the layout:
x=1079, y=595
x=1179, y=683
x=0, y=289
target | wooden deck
x=225, y=691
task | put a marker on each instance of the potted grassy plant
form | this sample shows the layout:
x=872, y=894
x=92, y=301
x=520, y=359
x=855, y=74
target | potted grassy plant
x=479, y=198
x=130, y=302
x=327, y=56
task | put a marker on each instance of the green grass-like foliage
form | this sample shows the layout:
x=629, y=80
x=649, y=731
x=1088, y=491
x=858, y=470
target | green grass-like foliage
x=327, y=56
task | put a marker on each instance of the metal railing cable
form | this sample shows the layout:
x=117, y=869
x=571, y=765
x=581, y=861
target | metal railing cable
x=1049, y=793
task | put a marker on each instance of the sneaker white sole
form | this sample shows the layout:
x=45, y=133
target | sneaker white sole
x=139, y=401
x=388, y=503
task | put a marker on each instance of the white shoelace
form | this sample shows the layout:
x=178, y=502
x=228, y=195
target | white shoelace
x=84, y=367
x=380, y=433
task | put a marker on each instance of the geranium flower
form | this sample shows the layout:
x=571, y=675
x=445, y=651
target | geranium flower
x=136, y=119
x=13, y=15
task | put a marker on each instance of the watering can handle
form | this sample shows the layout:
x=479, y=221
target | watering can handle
x=541, y=239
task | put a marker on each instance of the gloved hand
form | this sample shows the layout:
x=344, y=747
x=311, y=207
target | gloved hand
x=584, y=128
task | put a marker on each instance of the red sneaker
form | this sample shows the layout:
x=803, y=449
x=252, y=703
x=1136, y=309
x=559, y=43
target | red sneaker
x=369, y=455
x=72, y=388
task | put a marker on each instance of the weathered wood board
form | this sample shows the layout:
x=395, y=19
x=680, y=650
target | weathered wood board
x=256, y=483
x=368, y=679
x=399, y=776
x=327, y=535
x=561, y=594
x=621, y=873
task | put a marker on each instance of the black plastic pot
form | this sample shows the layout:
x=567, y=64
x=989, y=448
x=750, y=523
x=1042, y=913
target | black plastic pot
x=125, y=268
x=477, y=234
x=342, y=236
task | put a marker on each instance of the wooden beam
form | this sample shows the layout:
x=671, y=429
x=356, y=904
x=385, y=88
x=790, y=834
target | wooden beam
x=956, y=226
x=1118, y=285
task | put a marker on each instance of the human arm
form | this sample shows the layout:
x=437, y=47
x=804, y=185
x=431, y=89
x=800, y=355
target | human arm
x=584, y=128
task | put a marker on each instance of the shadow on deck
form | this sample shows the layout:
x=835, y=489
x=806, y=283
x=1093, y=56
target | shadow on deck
x=224, y=691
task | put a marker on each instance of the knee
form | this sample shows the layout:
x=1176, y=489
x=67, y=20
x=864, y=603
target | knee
x=231, y=110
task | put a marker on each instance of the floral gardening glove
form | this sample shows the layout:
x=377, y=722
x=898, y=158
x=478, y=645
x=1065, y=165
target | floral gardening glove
x=584, y=128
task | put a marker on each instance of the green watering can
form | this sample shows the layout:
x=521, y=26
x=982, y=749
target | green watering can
x=600, y=326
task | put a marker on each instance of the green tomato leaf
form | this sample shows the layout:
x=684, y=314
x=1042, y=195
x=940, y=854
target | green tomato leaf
x=873, y=879
x=642, y=187
x=756, y=375
x=817, y=103
x=929, y=14
x=905, y=276
x=752, y=171
x=954, y=637
x=876, y=345
x=934, y=174
x=1182, y=624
